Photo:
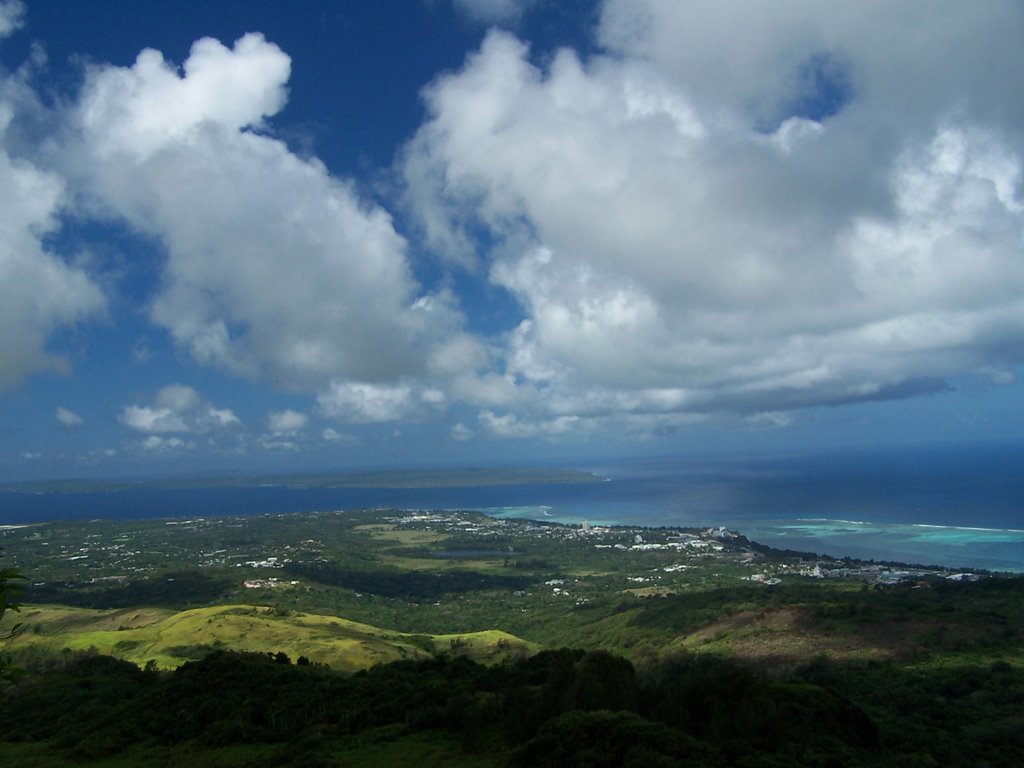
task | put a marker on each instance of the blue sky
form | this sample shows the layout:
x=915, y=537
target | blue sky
x=259, y=237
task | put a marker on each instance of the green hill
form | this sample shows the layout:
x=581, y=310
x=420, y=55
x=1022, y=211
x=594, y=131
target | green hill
x=170, y=638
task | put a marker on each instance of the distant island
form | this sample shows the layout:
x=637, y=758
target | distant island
x=392, y=478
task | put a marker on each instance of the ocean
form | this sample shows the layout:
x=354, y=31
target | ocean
x=951, y=506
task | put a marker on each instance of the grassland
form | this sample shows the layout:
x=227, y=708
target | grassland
x=168, y=638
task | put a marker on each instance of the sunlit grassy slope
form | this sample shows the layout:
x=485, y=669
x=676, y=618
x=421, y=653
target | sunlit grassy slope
x=171, y=638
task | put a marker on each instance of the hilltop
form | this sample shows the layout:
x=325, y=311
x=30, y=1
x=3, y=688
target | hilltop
x=166, y=639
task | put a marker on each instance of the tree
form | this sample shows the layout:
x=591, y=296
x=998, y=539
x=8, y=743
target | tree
x=10, y=590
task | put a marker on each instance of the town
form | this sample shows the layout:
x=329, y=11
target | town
x=63, y=557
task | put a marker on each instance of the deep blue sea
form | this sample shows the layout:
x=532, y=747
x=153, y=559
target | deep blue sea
x=953, y=506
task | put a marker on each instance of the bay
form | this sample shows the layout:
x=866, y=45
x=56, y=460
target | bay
x=956, y=506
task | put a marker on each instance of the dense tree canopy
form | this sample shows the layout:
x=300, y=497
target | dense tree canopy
x=563, y=707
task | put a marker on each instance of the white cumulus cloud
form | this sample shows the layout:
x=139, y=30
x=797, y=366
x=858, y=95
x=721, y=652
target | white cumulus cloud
x=158, y=443
x=735, y=212
x=12, y=17
x=275, y=268
x=69, y=419
x=286, y=422
x=330, y=435
x=731, y=209
x=39, y=291
x=363, y=403
x=460, y=432
x=178, y=408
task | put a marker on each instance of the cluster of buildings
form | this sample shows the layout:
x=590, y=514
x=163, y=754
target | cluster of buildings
x=270, y=583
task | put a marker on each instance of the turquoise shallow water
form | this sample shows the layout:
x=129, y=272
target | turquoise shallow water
x=958, y=506
x=915, y=543
x=926, y=544
x=546, y=512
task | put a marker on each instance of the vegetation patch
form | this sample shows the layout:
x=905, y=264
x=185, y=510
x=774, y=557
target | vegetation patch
x=555, y=708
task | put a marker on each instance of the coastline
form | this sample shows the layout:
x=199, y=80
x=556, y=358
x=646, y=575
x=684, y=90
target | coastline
x=946, y=546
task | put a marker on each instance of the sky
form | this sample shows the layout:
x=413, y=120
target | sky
x=255, y=236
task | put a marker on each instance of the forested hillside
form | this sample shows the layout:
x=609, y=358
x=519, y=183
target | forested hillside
x=557, y=708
